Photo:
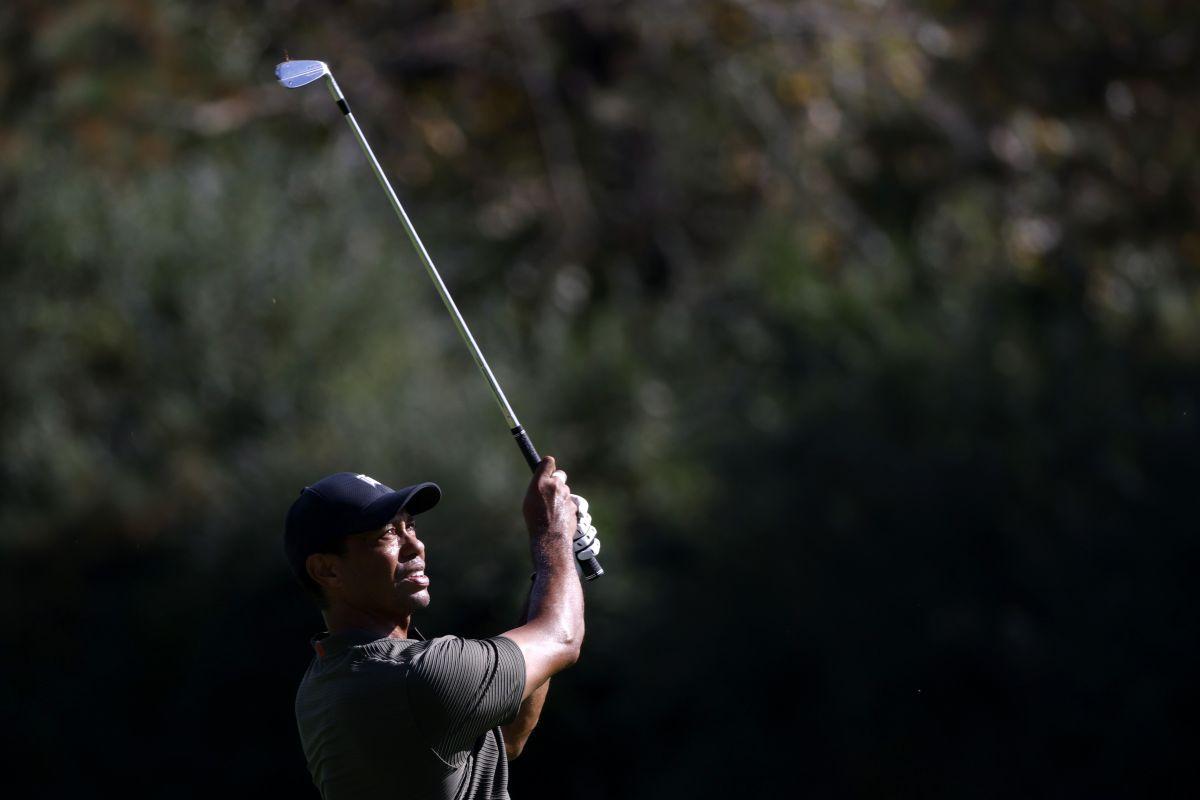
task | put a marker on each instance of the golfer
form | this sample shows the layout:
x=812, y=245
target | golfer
x=384, y=712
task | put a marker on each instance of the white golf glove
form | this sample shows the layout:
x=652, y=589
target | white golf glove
x=587, y=543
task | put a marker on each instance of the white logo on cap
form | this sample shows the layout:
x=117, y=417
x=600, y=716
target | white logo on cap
x=370, y=480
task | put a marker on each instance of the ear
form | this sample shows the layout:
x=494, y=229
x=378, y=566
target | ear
x=325, y=569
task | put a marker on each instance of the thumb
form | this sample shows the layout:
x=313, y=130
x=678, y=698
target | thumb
x=546, y=467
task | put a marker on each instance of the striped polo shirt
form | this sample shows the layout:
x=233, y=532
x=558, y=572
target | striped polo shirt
x=409, y=718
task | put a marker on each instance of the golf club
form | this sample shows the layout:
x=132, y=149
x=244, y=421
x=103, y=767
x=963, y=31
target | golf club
x=294, y=74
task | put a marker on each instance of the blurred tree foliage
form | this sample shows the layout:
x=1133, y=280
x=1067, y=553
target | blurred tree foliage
x=870, y=329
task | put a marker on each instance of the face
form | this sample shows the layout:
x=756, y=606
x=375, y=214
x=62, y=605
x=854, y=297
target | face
x=383, y=571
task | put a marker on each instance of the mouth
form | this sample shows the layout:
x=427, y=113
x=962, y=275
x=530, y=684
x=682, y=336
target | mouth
x=416, y=577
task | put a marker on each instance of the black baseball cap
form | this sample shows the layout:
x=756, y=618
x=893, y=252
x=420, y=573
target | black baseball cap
x=343, y=504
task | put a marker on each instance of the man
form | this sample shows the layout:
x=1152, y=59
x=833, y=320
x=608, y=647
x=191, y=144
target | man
x=384, y=712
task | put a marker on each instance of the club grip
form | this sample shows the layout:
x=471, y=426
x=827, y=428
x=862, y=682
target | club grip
x=591, y=568
x=527, y=449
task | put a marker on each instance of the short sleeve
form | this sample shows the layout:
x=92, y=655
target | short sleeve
x=460, y=688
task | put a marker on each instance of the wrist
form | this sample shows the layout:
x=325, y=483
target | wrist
x=552, y=558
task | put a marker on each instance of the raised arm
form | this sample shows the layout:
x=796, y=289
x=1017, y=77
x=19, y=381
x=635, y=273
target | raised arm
x=553, y=631
x=516, y=733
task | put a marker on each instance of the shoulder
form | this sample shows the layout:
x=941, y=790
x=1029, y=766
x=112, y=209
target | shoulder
x=457, y=651
x=453, y=668
x=460, y=688
x=426, y=653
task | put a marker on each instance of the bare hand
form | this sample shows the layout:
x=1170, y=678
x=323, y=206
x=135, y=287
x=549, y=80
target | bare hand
x=549, y=509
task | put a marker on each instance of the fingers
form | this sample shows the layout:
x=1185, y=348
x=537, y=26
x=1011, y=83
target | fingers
x=587, y=543
x=548, y=505
x=549, y=478
x=581, y=511
x=548, y=468
x=552, y=481
x=587, y=547
x=584, y=537
x=549, y=471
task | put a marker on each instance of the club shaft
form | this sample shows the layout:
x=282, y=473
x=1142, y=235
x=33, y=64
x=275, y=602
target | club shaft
x=591, y=568
x=419, y=246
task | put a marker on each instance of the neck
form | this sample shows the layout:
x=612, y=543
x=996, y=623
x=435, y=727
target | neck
x=339, y=617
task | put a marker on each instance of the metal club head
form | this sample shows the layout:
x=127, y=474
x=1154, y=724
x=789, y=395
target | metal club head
x=294, y=74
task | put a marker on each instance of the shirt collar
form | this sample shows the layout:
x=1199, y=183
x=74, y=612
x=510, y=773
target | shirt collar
x=328, y=644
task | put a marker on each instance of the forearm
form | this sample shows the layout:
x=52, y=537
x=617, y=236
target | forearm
x=551, y=637
x=556, y=599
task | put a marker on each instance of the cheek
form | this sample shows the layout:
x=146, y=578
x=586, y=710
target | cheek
x=386, y=559
x=370, y=569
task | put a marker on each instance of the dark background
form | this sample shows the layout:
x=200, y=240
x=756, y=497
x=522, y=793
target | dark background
x=870, y=329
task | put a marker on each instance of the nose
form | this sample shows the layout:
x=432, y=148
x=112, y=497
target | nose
x=411, y=546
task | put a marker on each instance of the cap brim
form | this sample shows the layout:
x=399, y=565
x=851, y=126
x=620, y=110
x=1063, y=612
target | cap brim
x=413, y=499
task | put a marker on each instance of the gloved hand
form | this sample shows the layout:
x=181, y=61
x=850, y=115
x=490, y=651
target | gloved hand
x=587, y=544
